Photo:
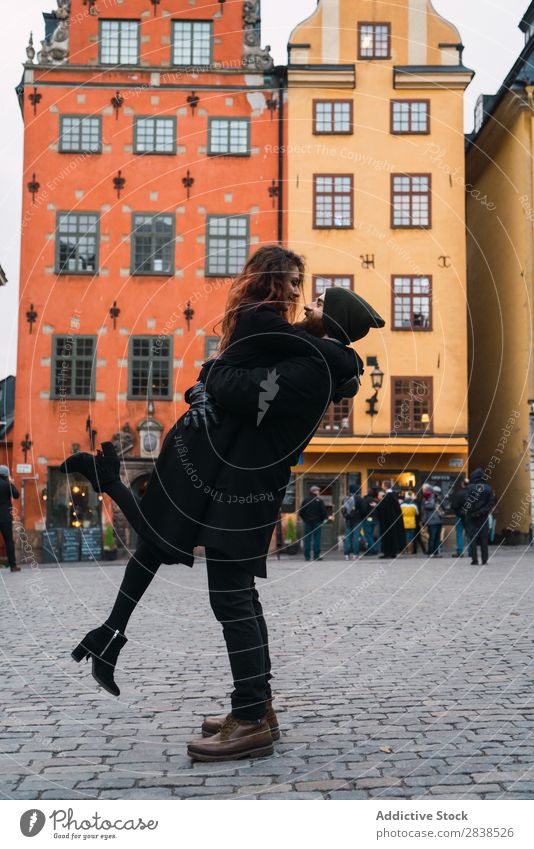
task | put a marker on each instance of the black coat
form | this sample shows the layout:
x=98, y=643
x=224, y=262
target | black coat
x=313, y=509
x=223, y=489
x=392, y=536
x=7, y=492
x=477, y=502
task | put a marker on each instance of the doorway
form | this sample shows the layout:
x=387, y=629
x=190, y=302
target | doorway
x=330, y=491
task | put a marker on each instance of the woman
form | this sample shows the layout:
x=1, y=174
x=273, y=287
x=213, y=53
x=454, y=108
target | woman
x=186, y=502
x=433, y=517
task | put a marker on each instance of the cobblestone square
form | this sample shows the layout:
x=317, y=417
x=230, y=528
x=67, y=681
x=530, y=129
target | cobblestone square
x=409, y=679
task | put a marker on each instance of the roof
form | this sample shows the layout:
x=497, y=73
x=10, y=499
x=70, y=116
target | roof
x=520, y=74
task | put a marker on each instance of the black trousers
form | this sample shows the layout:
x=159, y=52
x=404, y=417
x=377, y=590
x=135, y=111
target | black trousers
x=478, y=534
x=6, y=529
x=234, y=600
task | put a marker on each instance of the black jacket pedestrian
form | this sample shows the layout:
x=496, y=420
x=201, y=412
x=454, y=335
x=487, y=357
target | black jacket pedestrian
x=392, y=536
x=8, y=491
x=477, y=501
x=313, y=510
x=224, y=488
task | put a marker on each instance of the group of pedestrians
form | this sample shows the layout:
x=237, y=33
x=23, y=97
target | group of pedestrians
x=387, y=523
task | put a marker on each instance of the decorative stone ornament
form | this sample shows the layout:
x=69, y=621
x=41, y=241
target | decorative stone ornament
x=30, y=50
x=123, y=440
x=254, y=56
x=150, y=432
x=55, y=50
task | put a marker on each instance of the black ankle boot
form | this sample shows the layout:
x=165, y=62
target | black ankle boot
x=100, y=469
x=103, y=645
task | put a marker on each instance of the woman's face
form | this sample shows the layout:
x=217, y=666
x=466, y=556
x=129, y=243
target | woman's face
x=291, y=293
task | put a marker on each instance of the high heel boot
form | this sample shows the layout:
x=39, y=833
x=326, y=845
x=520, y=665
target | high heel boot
x=103, y=646
x=100, y=469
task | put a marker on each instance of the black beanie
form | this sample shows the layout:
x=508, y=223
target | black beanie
x=346, y=316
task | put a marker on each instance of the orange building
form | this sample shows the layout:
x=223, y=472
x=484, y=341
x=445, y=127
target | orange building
x=146, y=184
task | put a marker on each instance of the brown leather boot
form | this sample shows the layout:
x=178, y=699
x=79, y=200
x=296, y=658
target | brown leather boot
x=213, y=724
x=237, y=739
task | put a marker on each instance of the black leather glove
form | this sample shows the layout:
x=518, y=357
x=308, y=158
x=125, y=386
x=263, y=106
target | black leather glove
x=348, y=389
x=203, y=411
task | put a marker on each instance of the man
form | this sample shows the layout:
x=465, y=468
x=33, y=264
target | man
x=410, y=512
x=354, y=510
x=8, y=490
x=457, y=501
x=392, y=536
x=370, y=523
x=314, y=514
x=476, y=505
x=304, y=390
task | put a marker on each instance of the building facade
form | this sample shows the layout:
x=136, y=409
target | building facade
x=500, y=219
x=376, y=202
x=146, y=185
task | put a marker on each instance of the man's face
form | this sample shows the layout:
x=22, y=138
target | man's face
x=313, y=321
x=315, y=490
x=315, y=308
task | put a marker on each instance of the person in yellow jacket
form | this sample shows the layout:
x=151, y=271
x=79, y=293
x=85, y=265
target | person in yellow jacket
x=410, y=511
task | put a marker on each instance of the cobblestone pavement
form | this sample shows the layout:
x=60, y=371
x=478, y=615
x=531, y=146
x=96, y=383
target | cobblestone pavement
x=410, y=679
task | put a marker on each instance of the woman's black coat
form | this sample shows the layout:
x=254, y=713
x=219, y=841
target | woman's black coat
x=223, y=488
x=392, y=535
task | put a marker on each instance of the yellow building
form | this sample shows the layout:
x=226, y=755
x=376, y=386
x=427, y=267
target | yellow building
x=375, y=152
x=500, y=218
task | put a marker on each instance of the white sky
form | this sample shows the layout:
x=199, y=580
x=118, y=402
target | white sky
x=488, y=29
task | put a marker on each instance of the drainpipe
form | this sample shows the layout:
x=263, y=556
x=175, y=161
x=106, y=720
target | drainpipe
x=280, y=157
x=529, y=275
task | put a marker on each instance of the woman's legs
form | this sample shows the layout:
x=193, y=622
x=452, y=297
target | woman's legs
x=140, y=570
x=231, y=593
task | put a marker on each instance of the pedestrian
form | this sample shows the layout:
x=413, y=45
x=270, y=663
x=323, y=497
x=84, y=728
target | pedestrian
x=354, y=511
x=314, y=514
x=457, y=500
x=433, y=518
x=223, y=489
x=392, y=536
x=410, y=512
x=478, y=502
x=370, y=525
x=8, y=490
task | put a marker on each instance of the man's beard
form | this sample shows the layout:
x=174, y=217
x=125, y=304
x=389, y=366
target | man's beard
x=312, y=324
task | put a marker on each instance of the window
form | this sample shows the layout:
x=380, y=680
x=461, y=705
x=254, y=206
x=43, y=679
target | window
x=153, y=244
x=321, y=282
x=410, y=116
x=228, y=137
x=80, y=134
x=227, y=244
x=412, y=404
x=411, y=200
x=192, y=43
x=119, y=42
x=374, y=41
x=412, y=303
x=154, y=135
x=211, y=344
x=338, y=418
x=77, y=243
x=150, y=367
x=73, y=367
x=333, y=201
x=332, y=116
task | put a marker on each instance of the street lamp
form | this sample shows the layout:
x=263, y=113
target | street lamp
x=377, y=379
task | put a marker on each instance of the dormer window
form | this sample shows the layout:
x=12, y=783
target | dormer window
x=374, y=41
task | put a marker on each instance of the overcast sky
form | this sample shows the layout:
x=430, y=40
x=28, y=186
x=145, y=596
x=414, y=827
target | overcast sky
x=488, y=29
